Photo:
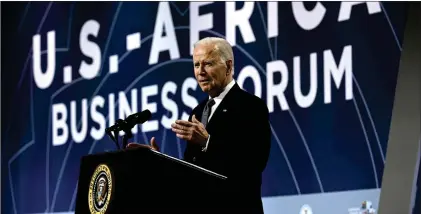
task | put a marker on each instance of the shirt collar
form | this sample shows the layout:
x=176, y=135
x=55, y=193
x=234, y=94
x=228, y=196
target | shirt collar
x=224, y=92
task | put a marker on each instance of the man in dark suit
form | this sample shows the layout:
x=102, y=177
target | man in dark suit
x=229, y=132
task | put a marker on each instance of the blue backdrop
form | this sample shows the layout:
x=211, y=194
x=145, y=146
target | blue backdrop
x=107, y=60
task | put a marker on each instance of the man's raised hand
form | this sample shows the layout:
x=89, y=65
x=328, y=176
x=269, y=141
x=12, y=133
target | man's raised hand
x=194, y=131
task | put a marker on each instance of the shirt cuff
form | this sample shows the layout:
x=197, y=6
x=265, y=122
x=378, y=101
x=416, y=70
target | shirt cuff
x=206, y=146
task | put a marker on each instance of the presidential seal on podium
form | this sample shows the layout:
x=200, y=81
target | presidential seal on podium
x=100, y=189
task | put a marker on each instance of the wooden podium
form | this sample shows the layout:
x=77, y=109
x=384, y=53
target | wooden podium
x=142, y=180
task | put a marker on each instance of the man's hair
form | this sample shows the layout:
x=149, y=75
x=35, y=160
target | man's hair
x=222, y=46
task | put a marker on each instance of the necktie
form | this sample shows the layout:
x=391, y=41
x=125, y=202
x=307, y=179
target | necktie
x=207, y=111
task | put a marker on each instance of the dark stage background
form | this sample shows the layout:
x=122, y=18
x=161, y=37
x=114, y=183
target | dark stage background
x=327, y=71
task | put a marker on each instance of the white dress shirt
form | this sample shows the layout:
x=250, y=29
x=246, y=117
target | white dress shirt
x=218, y=101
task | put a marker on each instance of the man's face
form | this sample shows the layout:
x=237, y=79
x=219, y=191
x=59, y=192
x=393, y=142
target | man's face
x=210, y=71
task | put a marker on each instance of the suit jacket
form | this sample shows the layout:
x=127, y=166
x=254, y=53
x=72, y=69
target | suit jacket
x=238, y=148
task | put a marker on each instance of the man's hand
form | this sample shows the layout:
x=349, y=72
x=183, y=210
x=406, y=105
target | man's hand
x=153, y=145
x=194, y=131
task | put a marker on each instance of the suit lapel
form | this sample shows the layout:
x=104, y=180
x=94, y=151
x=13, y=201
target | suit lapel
x=223, y=108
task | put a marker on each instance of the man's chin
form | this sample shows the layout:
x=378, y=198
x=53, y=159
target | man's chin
x=205, y=89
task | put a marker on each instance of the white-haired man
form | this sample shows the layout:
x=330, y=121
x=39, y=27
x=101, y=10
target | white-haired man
x=229, y=132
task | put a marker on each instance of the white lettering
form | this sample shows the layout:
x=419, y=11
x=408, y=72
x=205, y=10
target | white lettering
x=250, y=72
x=44, y=80
x=111, y=109
x=97, y=117
x=59, y=123
x=346, y=7
x=308, y=20
x=305, y=101
x=90, y=49
x=151, y=125
x=279, y=89
x=198, y=22
x=79, y=136
x=238, y=18
x=170, y=105
x=273, y=19
x=163, y=43
x=186, y=98
x=124, y=109
x=337, y=72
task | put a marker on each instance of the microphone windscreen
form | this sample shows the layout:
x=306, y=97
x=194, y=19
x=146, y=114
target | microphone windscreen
x=143, y=116
x=140, y=117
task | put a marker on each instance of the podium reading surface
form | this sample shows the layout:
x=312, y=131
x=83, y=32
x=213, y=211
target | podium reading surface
x=145, y=181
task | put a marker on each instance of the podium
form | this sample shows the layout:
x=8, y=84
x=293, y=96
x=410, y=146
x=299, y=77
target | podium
x=142, y=180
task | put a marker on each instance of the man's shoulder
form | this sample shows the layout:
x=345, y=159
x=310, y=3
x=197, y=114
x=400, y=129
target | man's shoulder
x=248, y=98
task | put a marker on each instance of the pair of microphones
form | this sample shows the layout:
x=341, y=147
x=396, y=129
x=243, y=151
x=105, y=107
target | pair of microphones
x=126, y=125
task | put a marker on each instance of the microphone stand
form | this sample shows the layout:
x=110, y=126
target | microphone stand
x=114, y=139
x=126, y=126
x=127, y=135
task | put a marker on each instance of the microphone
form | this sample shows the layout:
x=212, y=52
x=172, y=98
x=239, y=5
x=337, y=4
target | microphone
x=126, y=126
x=130, y=121
x=139, y=118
